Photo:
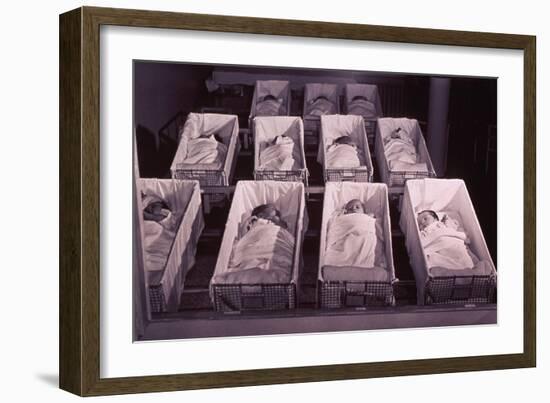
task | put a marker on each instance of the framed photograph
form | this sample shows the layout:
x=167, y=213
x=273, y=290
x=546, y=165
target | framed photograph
x=251, y=201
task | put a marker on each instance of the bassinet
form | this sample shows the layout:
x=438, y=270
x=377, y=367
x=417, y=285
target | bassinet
x=334, y=126
x=265, y=130
x=371, y=96
x=363, y=287
x=457, y=286
x=313, y=91
x=227, y=128
x=279, y=89
x=289, y=198
x=393, y=178
x=165, y=284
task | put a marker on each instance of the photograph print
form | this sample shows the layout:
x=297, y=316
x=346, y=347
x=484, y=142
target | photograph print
x=276, y=200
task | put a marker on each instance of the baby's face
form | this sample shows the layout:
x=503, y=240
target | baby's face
x=354, y=206
x=425, y=219
x=271, y=214
x=345, y=140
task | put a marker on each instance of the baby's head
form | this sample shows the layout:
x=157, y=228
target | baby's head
x=396, y=134
x=268, y=212
x=217, y=136
x=269, y=97
x=345, y=140
x=359, y=98
x=426, y=217
x=155, y=209
x=354, y=206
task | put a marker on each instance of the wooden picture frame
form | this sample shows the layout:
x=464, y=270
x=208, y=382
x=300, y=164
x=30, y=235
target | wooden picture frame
x=80, y=185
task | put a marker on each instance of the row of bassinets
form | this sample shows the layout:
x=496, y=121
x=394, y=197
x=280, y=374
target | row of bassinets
x=347, y=287
x=266, y=129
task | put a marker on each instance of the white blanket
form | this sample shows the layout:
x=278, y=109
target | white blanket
x=401, y=155
x=158, y=238
x=265, y=247
x=445, y=247
x=344, y=156
x=279, y=156
x=206, y=150
x=320, y=107
x=355, y=240
x=271, y=107
x=363, y=108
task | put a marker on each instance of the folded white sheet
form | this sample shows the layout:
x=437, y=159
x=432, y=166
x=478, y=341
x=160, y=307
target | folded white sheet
x=321, y=106
x=271, y=107
x=206, y=150
x=265, y=247
x=344, y=156
x=157, y=239
x=280, y=155
x=355, y=240
x=362, y=107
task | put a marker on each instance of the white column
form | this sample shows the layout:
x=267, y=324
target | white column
x=437, y=123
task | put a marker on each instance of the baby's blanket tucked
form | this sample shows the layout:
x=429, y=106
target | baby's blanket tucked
x=354, y=240
x=344, y=156
x=279, y=156
x=401, y=155
x=266, y=247
x=445, y=247
x=363, y=108
x=157, y=241
x=206, y=150
x=320, y=107
x=271, y=107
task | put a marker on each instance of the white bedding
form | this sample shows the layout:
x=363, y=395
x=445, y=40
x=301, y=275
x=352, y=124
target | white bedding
x=355, y=240
x=280, y=156
x=362, y=107
x=157, y=241
x=445, y=197
x=356, y=247
x=321, y=106
x=236, y=251
x=401, y=153
x=344, y=156
x=206, y=150
x=265, y=247
x=445, y=247
x=271, y=107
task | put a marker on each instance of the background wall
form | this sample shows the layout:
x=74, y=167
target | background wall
x=29, y=202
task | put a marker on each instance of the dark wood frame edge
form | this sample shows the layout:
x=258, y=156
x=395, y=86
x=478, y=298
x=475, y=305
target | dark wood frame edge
x=79, y=201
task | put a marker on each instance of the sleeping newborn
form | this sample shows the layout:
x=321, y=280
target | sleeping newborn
x=264, y=252
x=353, y=238
x=159, y=230
x=344, y=153
x=269, y=105
x=444, y=243
x=361, y=106
x=279, y=154
x=206, y=149
x=400, y=152
x=321, y=106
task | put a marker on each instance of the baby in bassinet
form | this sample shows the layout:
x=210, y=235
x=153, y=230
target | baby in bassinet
x=279, y=154
x=270, y=106
x=444, y=242
x=354, y=239
x=400, y=152
x=206, y=149
x=344, y=153
x=361, y=106
x=159, y=230
x=264, y=251
x=321, y=106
